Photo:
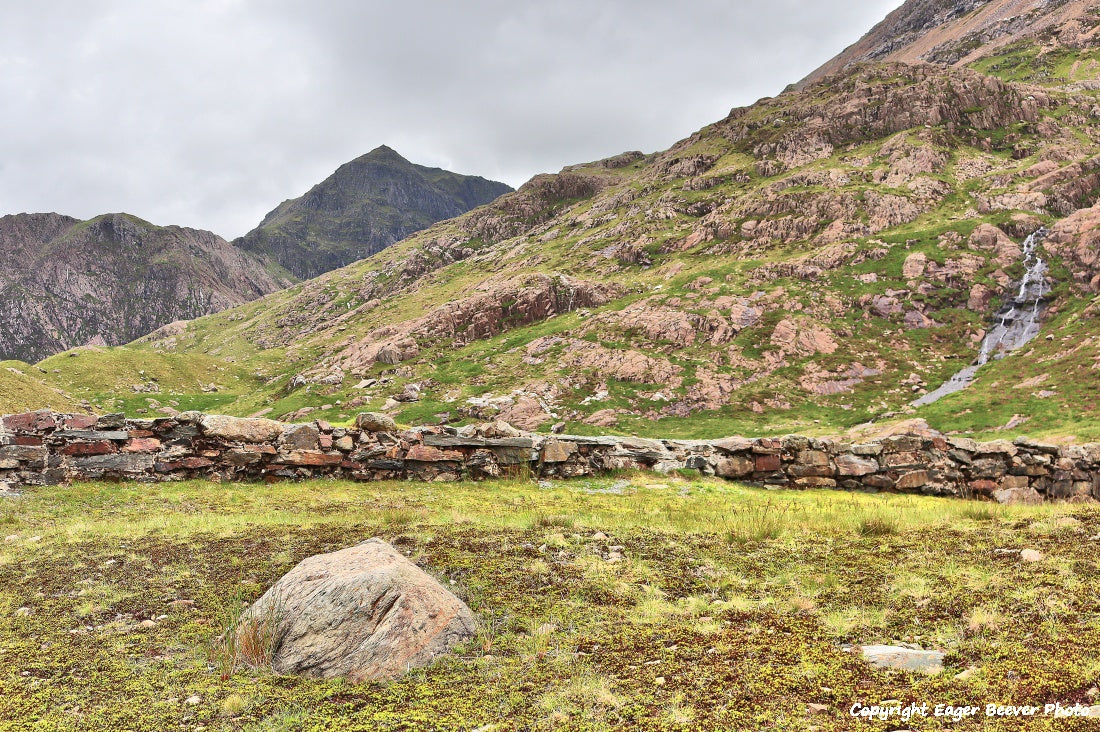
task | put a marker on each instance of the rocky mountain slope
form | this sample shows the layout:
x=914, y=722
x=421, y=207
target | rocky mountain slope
x=113, y=278
x=961, y=32
x=806, y=264
x=362, y=208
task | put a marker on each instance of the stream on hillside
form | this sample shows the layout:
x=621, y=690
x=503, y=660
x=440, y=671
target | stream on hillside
x=1016, y=323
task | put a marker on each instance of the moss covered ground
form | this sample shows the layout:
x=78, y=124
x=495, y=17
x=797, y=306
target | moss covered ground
x=730, y=609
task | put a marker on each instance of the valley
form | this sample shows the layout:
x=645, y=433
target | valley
x=809, y=264
x=792, y=425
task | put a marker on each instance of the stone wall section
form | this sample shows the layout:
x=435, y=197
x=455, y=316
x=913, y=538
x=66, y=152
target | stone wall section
x=39, y=448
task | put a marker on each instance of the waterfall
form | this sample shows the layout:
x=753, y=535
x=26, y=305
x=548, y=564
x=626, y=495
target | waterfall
x=1017, y=322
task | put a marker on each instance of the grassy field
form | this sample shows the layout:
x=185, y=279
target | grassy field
x=730, y=609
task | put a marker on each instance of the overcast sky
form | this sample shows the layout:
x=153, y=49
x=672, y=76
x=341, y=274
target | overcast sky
x=208, y=113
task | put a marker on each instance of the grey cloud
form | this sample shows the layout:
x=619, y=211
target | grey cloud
x=209, y=113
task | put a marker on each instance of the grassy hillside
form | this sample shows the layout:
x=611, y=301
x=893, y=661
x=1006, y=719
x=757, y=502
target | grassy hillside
x=808, y=264
x=731, y=608
x=22, y=384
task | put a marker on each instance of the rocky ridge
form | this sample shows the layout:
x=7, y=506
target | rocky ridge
x=961, y=32
x=113, y=278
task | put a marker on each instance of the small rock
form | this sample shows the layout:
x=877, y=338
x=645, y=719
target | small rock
x=194, y=700
x=182, y=603
x=23, y=612
x=599, y=536
x=1031, y=555
x=903, y=659
x=375, y=422
x=1093, y=692
x=147, y=624
x=11, y=538
x=964, y=675
x=659, y=681
x=818, y=708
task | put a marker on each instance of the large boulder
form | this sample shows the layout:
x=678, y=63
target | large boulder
x=362, y=613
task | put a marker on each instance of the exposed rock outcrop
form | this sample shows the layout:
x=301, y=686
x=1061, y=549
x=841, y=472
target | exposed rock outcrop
x=501, y=305
x=1076, y=239
x=535, y=201
x=961, y=31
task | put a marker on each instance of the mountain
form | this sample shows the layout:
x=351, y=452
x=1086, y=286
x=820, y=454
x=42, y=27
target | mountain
x=963, y=32
x=808, y=264
x=362, y=208
x=113, y=278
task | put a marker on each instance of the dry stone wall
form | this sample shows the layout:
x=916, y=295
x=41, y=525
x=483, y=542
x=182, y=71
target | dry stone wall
x=39, y=448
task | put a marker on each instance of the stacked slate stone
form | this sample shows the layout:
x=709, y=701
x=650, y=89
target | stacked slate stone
x=44, y=448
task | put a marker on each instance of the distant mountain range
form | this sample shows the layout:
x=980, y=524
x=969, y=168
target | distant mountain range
x=114, y=278
x=106, y=281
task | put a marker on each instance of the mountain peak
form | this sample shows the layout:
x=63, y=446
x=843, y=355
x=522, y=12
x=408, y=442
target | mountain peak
x=366, y=205
x=384, y=152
